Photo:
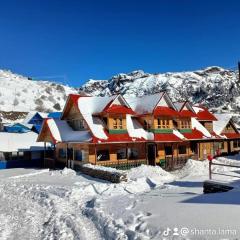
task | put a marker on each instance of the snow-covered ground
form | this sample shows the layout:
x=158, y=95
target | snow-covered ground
x=153, y=204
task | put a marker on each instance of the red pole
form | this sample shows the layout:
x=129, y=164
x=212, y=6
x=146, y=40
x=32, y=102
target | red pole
x=210, y=158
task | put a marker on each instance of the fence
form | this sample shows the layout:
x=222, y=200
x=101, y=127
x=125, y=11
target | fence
x=123, y=164
x=211, y=163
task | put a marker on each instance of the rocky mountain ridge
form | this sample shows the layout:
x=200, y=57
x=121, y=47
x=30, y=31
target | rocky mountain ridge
x=215, y=87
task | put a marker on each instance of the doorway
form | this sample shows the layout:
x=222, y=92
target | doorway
x=151, y=154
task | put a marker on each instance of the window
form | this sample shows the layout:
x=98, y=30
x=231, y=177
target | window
x=62, y=153
x=168, y=150
x=147, y=124
x=78, y=155
x=77, y=124
x=132, y=153
x=228, y=127
x=193, y=147
x=235, y=144
x=103, y=155
x=21, y=155
x=185, y=124
x=221, y=145
x=182, y=150
x=117, y=123
x=14, y=155
x=163, y=123
x=122, y=153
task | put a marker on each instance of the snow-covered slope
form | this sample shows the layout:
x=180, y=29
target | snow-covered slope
x=18, y=93
x=215, y=87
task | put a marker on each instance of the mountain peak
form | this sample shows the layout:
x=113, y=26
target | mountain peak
x=214, y=86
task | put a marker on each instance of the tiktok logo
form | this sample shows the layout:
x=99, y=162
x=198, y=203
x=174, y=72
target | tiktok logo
x=169, y=230
x=166, y=232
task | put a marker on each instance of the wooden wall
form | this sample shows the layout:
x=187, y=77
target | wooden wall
x=223, y=146
x=229, y=129
x=45, y=135
x=208, y=125
x=232, y=148
x=205, y=149
x=155, y=123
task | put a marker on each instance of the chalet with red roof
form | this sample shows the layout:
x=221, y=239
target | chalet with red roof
x=125, y=132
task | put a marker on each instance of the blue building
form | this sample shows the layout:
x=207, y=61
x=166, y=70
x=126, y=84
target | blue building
x=36, y=119
x=18, y=128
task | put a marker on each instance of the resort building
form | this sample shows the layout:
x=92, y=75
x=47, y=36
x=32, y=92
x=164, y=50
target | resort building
x=123, y=132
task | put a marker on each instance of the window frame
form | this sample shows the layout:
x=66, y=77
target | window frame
x=124, y=152
x=133, y=153
x=118, y=123
x=163, y=123
x=107, y=153
x=180, y=148
x=62, y=152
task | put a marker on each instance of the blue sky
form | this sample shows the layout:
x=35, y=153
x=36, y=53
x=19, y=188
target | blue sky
x=97, y=39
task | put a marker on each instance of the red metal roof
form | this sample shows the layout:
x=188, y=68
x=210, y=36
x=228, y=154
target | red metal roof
x=118, y=109
x=166, y=137
x=195, y=134
x=215, y=135
x=187, y=113
x=121, y=137
x=231, y=135
x=164, y=111
x=74, y=98
x=205, y=115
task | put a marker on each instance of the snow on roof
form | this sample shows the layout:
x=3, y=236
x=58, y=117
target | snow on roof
x=12, y=142
x=179, y=105
x=92, y=105
x=30, y=115
x=196, y=124
x=62, y=132
x=145, y=104
x=178, y=134
x=203, y=114
x=135, y=130
x=222, y=121
x=197, y=109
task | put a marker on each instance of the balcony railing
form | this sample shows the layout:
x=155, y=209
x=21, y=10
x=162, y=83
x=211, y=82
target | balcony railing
x=123, y=164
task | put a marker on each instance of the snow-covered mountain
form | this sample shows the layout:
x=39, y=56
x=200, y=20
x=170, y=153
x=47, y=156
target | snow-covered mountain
x=19, y=93
x=215, y=87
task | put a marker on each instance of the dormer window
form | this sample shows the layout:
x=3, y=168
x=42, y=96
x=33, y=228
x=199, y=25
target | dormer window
x=185, y=124
x=163, y=123
x=147, y=124
x=77, y=124
x=117, y=123
x=228, y=127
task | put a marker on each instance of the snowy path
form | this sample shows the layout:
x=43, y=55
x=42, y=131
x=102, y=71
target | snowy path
x=38, y=204
x=42, y=212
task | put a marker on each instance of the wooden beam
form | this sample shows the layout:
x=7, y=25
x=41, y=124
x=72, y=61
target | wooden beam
x=95, y=152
